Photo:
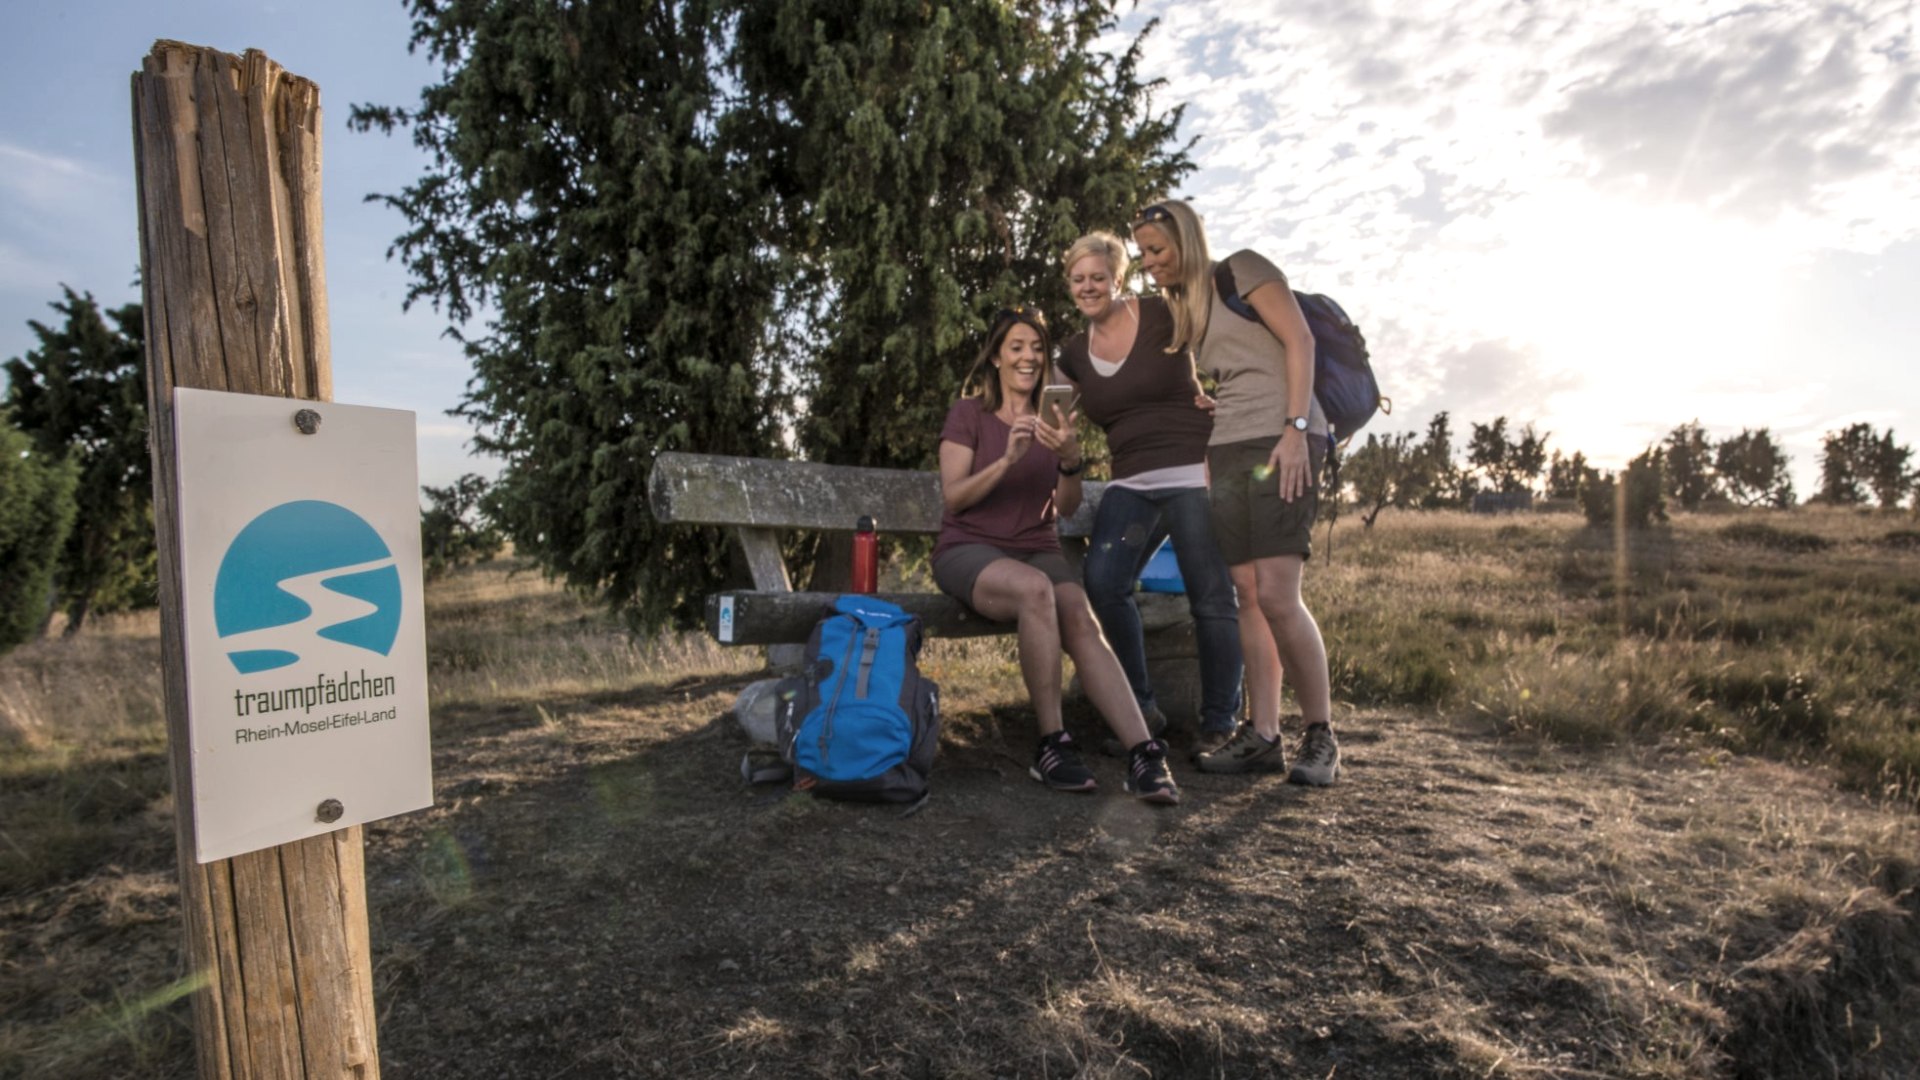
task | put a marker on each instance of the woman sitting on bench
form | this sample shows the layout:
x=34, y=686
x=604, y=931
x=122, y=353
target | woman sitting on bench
x=1006, y=473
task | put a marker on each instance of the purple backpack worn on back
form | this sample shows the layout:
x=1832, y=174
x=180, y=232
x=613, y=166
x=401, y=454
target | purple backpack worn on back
x=1343, y=379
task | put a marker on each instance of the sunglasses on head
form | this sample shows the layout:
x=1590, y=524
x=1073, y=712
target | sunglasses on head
x=1020, y=312
x=1151, y=214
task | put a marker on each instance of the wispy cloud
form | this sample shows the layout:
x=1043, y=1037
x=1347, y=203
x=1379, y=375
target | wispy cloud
x=1761, y=112
x=44, y=182
x=61, y=221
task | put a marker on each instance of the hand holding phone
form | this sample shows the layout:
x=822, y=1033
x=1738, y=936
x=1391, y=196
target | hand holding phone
x=1056, y=403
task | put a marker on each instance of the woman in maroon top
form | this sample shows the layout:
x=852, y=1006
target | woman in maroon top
x=1006, y=474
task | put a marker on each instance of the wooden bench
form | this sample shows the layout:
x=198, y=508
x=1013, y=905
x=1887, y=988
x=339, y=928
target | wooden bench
x=758, y=498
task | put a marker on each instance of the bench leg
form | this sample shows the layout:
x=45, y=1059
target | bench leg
x=1173, y=666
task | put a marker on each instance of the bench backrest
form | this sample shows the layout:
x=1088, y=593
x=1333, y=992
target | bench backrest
x=759, y=497
x=708, y=489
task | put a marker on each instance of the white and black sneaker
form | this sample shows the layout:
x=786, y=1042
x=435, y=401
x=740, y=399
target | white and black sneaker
x=1245, y=751
x=1317, y=760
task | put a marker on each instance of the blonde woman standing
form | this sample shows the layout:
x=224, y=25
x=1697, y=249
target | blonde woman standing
x=1142, y=394
x=1268, y=444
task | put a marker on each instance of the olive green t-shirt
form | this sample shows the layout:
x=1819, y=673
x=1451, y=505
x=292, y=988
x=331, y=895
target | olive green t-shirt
x=1249, y=363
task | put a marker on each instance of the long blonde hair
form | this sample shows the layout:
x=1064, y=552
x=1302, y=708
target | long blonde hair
x=1192, y=297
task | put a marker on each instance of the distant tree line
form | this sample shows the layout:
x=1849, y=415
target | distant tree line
x=1687, y=468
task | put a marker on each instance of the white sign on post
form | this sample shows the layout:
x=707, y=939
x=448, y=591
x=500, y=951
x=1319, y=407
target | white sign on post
x=305, y=637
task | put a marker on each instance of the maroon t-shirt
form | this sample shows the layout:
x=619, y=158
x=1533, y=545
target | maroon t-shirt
x=1018, y=514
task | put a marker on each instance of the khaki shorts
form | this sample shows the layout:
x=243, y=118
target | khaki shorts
x=1250, y=520
x=956, y=569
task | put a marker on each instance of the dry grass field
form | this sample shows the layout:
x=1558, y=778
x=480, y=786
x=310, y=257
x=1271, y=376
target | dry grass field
x=1610, y=810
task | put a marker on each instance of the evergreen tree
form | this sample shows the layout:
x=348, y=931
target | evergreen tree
x=687, y=218
x=36, y=514
x=941, y=157
x=82, y=396
x=1689, y=453
x=590, y=184
x=1753, y=469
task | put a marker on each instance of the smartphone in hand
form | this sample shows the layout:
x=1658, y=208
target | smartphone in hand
x=1057, y=396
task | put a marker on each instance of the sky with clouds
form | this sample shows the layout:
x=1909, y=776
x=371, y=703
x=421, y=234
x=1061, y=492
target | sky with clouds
x=1605, y=218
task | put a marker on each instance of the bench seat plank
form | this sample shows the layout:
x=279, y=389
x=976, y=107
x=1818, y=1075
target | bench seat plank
x=746, y=617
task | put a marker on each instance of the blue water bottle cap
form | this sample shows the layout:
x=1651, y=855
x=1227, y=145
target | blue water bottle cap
x=865, y=524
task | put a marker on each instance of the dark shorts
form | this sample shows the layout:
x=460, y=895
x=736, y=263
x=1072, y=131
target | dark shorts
x=1250, y=520
x=956, y=569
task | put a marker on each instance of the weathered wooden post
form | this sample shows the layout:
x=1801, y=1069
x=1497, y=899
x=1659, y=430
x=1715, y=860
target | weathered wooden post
x=227, y=153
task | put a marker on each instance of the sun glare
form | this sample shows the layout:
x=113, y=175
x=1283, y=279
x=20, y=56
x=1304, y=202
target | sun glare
x=1650, y=313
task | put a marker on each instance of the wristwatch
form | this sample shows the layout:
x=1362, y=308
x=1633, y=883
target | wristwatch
x=1297, y=423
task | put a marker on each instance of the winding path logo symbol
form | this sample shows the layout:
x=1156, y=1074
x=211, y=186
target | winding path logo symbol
x=300, y=571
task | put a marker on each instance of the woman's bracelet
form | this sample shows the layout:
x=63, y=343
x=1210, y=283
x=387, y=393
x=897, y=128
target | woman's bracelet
x=1076, y=470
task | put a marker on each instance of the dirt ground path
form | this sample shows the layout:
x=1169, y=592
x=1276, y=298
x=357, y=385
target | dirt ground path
x=597, y=894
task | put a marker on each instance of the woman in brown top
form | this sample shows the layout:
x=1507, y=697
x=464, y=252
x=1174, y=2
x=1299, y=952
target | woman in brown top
x=1269, y=441
x=1006, y=473
x=1142, y=394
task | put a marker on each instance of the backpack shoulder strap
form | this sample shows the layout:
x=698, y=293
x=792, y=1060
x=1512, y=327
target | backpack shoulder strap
x=1230, y=293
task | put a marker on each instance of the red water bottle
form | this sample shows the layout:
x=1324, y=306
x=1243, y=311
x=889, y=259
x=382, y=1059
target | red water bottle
x=866, y=556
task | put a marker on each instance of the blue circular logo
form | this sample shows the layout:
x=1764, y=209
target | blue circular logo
x=300, y=571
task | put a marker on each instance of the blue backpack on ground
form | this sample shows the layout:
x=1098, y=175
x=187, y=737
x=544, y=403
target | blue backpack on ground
x=1343, y=379
x=861, y=722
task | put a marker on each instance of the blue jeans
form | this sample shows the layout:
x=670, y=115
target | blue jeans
x=1127, y=530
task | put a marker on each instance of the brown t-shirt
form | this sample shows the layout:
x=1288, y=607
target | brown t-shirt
x=1146, y=407
x=1018, y=514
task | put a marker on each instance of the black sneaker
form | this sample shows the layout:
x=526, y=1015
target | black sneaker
x=1058, y=765
x=1157, y=727
x=1148, y=778
x=1246, y=751
x=1317, y=760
